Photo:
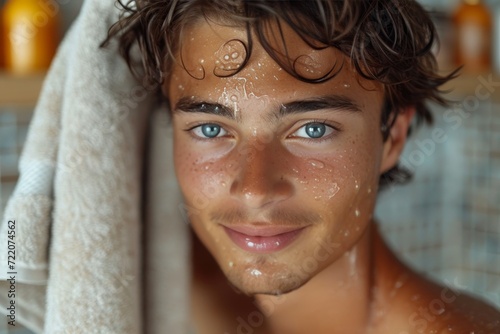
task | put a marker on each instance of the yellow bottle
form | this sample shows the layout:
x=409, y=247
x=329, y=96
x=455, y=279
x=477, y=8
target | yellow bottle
x=30, y=34
x=473, y=29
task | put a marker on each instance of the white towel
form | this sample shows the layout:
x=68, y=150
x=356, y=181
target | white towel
x=89, y=259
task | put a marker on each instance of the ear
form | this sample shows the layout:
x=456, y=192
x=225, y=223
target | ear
x=396, y=140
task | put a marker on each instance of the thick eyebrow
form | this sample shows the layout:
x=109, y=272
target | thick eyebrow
x=189, y=105
x=336, y=102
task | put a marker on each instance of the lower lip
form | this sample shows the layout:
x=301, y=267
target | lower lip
x=258, y=244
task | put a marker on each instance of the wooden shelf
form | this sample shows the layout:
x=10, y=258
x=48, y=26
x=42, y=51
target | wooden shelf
x=20, y=90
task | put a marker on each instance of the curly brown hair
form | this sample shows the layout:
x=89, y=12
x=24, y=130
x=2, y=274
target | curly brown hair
x=386, y=40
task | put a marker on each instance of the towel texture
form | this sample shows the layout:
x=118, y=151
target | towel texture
x=100, y=243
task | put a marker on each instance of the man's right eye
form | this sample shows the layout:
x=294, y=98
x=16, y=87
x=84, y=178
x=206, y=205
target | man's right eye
x=208, y=130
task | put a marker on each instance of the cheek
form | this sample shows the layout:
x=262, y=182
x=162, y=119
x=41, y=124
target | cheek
x=343, y=171
x=340, y=185
x=201, y=180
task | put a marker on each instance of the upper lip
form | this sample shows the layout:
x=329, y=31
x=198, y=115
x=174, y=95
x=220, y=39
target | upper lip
x=263, y=230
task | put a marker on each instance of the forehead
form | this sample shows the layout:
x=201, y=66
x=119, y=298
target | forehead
x=211, y=61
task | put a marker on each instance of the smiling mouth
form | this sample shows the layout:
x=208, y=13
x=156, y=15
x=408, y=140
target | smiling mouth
x=263, y=238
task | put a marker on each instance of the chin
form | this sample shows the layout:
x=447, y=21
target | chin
x=254, y=280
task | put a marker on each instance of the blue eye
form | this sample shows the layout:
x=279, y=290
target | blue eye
x=209, y=130
x=313, y=130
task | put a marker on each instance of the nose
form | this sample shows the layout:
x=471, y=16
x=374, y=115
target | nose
x=261, y=179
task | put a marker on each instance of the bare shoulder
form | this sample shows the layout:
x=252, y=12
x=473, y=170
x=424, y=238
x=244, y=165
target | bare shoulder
x=409, y=303
x=423, y=306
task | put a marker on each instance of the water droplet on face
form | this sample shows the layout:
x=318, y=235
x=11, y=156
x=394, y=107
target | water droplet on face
x=352, y=257
x=333, y=191
x=347, y=85
x=226, y=57
x=230, y=264
x=398, y=284
x=317, y=198
x=255, y=273
x=346, y=233
x=439, y=312
x=357, y=213
x=234, y=98
x=207, y=167
x=369, y=190
x=295, y=170
x=223, y=184
x=316, y=163
x=234, y=55
x=217, y=62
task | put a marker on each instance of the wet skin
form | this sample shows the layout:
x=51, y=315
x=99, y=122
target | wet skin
x=261, y=148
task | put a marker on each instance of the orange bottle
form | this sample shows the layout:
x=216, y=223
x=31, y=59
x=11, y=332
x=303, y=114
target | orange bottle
x=473, y=29
x=30, y=34
x=2, y=53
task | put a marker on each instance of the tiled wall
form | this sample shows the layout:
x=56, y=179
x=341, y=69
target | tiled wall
x=446, y=222
x=13, y=129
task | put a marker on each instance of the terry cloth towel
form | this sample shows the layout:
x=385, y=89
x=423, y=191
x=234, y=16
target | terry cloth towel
x=100, y=243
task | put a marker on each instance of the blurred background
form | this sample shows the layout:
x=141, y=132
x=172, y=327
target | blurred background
x=445, y=223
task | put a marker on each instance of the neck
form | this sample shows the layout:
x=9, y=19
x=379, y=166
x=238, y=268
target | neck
x=339, y=297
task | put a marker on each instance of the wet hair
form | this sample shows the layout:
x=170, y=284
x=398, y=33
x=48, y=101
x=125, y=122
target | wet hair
x=388, y=41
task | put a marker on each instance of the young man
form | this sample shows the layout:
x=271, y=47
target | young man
x=287, y=117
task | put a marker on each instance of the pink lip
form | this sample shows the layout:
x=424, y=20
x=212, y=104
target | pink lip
x=262, y=239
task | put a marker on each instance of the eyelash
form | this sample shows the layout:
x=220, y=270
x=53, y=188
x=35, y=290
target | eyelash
x=336, y=130
x=190, y=129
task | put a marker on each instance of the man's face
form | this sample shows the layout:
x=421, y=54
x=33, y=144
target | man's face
x=279, y=176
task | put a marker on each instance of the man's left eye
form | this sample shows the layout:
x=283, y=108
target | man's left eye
x=209, y=130
x=313, y=130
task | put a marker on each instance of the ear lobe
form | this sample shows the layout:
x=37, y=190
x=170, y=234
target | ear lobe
x=396, y=140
